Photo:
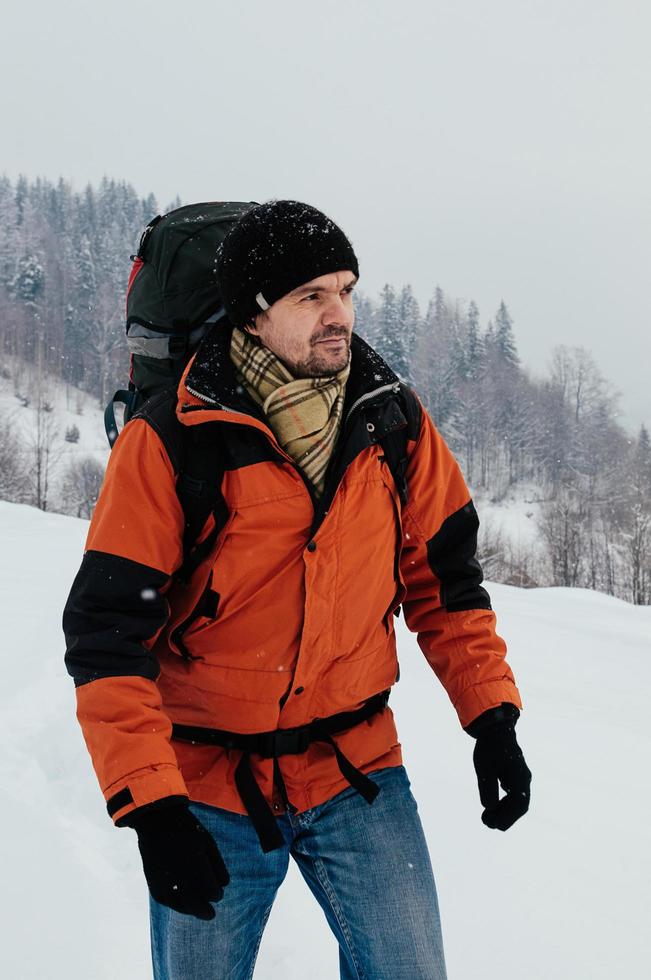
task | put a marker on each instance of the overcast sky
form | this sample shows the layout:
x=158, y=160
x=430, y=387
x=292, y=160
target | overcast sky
x=498, y=148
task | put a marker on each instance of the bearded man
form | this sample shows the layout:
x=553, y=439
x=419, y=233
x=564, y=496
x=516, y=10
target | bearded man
x=241, y=719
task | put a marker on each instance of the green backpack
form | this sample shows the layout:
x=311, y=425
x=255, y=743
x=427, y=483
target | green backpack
x=172, y=299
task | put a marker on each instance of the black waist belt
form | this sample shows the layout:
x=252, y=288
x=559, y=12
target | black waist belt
x=285, y=741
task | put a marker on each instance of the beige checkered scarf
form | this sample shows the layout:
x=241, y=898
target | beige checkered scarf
x=303, y=413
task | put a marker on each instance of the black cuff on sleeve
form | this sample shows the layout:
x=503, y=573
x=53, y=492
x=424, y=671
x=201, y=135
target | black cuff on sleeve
x=506, y=715
x=134, y=817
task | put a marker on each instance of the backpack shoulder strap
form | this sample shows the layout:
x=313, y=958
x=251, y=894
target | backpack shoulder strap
x=197, y=455
x=159, y=412
x=394, y=443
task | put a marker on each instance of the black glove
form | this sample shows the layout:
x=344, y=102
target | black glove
x=498, y=759
x=181, y=860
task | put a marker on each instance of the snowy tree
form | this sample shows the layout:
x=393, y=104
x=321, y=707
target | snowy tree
x=8, y=235
x=504, y=340
x=81, y=486
x=434, y=369
x=22, y=194
x=408, y=323
x=562, y=526
x=45, y=450
x=389, y=336
x=364, y=317
x=475, y=351
x=637, y=525
x=28, y=281
x=14, y=466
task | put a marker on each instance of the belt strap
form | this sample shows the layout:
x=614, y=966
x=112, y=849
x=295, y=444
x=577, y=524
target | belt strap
x=286, y=741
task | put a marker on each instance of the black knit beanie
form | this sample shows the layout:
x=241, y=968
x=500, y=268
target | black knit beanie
x=274, y=248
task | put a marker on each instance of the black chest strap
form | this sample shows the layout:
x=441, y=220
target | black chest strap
x=286, y=741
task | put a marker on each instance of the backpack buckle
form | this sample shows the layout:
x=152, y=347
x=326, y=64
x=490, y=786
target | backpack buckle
x=285, y=741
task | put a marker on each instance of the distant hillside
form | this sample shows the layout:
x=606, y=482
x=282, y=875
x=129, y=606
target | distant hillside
x=553, y=442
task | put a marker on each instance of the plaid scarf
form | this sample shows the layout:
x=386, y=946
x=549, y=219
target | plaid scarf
x=303, y=413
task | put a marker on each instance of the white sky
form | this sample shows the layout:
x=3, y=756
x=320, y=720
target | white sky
x=500, y=149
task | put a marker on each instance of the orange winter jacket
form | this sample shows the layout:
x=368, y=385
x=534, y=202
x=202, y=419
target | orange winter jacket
x=289, y=617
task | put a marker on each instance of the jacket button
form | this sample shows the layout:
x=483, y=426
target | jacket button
x=311, y=546
x=299, y=690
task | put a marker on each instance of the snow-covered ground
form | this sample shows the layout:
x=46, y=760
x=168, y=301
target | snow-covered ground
x=564, y=895
x=19, y=391
x=515, y=516
x=69, y=407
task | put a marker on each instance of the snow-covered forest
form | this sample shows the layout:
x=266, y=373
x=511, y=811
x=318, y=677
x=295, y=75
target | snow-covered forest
x=546, y=443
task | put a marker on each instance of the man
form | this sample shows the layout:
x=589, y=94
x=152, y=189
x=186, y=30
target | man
x=240, y=716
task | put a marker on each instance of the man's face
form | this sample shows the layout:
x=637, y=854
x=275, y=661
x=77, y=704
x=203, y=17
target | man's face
x=310, y=328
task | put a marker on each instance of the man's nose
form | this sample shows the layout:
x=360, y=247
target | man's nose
x=337, y=312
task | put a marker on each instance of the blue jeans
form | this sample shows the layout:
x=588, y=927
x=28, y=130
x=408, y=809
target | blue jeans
x=367, y=865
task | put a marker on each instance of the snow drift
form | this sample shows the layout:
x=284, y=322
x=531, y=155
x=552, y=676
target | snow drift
x=564, y=894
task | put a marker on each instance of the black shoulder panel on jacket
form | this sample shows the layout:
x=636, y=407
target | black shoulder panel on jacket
x=451, y=556
x=113, y=607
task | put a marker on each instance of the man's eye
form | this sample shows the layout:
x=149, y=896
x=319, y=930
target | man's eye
x=312, y=296
x=348, y=289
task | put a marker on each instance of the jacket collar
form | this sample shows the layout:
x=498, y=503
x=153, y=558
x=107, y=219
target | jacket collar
x=211, y=377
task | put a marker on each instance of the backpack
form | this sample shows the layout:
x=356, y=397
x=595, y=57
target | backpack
x=172, y=301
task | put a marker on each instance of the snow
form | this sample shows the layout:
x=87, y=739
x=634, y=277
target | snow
x=564, y=894
x=70, y=406
x=515, y=515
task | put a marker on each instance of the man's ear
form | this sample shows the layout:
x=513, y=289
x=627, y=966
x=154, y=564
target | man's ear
x=252, y=327
x=251, y=331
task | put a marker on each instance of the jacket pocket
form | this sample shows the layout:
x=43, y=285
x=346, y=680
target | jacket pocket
x=206, y=607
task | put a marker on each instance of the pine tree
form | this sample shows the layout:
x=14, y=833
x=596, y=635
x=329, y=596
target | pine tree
x=22, y=192
x=364, y=317
x=408, y=323
x=88, y=211
x=8, y=235
x=388, y=333
x=504, y=340
x=28, y=281
x=80, y=322
x=458, y=348
x=150, y=207
x=643, y=453
x=433, y=367
x=475, y=351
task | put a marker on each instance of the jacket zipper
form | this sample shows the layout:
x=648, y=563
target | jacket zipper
x=395, y=387
x=204, y=398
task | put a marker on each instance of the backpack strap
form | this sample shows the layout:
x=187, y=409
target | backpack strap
x=199, y=488
x=131, y=399
x=394, y=443
x=197, y=455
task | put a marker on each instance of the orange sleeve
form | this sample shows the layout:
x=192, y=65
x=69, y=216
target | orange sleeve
x=115, y=612
x=445, y=603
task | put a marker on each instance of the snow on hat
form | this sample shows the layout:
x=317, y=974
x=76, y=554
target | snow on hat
x=274, y=248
